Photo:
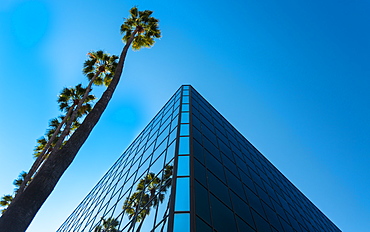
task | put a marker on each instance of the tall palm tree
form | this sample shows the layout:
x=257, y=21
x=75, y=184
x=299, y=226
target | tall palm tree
x=140, y=29
x=21, y=211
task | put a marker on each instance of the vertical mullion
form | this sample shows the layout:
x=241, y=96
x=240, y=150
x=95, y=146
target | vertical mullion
x=181, y=208
x=174, y=173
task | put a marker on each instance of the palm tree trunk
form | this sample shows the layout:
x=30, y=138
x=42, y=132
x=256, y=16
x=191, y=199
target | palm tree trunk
x=21, y=212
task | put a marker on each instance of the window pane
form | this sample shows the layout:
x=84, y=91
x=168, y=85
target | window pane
x=182, y=200
x=185, y=117
x=184, y=146
x=183, y=166
x=202, y=206
x=185, y=99
x=185, y=107
x=223, y=217
x=202, y=226
x=184, y=129
x=181, y=222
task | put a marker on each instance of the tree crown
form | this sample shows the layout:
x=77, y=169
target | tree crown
x=144, y=25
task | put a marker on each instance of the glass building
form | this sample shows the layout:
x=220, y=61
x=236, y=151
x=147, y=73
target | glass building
x=191, y=170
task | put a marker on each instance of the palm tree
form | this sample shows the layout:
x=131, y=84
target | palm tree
x=22, y=210
x=18, y=182
x=5, y=202
x=68, y=100
x=108, y=225
x=99, y=69
x=140, y=29
x=7, y=199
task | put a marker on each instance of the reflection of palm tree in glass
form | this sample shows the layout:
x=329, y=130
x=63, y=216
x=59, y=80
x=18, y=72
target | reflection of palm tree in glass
x=108, y=225
x=150, y=191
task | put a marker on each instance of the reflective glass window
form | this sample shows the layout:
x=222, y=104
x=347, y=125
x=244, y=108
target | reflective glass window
x=272, y=217
x=173, y=135
x=261, y=223
x=234, y=183
x=174, y=123
x=254, y=201
x=185, y=107
x=212, y=148
x=200, y=173
x=241, y=208
x=184, y=129
x=209, y=134
x=196, y=122
x=215, y=166
x=183, y=166
x=198, y=152
x=197, y=135
x=182, y=199
x=230, y=165
x=202, y=206
x=218, y=188
x=243, y=226
x=223, y=217
x=181, y=222
x=184, y=146
x=202, y=226
x=185, y=92
x=185, y=117
x=185, y=99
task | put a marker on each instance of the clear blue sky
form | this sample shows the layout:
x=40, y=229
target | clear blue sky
x=292, y=76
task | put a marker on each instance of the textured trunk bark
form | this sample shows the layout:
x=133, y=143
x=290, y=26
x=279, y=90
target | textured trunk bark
x=21, y=212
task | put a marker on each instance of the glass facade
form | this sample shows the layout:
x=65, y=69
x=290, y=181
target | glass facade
x=191, y=170
x=236, y=188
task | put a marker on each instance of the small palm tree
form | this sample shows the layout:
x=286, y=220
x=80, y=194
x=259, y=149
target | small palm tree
x=18, y=182
x=5, y=202
x=7, y=199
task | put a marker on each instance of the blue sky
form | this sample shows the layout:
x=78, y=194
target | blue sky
x=292, y=76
